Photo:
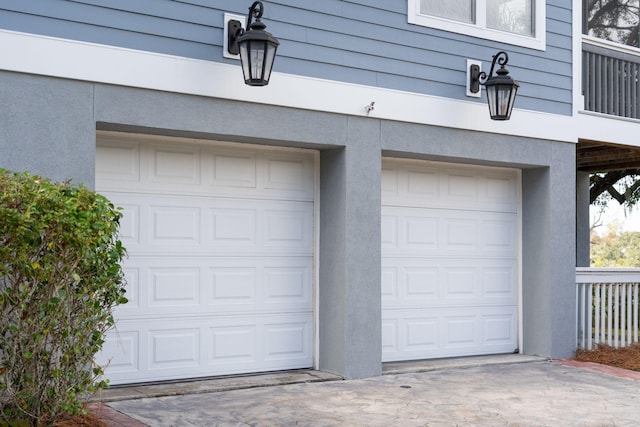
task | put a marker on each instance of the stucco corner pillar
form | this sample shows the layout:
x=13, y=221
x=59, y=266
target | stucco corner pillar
x=349, y=289
x=549, y=256
x=583, y=239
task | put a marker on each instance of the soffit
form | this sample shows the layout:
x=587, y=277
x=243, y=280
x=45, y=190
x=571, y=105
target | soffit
x=593, y=156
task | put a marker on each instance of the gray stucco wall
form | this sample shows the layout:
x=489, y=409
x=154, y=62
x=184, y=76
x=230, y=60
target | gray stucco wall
x=583, y=239
x=47, y=127
x=50, y=127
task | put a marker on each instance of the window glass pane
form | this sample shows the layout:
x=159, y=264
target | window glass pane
x=513, y=16
x=613, y=20
x=458, y=10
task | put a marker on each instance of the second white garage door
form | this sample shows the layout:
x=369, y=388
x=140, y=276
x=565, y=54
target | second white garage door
x=220, y=267
x=450, y=260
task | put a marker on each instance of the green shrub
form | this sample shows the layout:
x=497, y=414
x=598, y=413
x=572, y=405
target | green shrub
x=60, y=278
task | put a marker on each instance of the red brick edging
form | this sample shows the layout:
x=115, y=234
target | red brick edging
x=603, y=369
x=112, y=418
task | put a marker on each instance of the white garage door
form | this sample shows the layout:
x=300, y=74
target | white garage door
x=220, y=258
x=449, y=260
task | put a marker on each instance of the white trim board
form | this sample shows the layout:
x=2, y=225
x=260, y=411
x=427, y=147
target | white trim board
x=479, y=27
x=49, y=56
x=578, y=98
x=608, y=128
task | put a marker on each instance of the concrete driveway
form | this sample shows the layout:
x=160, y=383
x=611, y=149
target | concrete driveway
x=539, y=393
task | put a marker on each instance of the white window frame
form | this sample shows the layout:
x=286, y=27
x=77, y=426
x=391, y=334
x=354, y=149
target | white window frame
x=479, y=28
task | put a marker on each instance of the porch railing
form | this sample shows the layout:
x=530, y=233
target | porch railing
x=610, y=81
x=607, y=301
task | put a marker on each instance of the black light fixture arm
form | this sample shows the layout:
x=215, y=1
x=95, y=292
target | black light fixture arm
x=235, y=29
x=501, y=58
x=255, y=11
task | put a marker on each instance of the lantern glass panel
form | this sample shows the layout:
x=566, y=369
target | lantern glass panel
x=268, y=59
x=244, y=59
x=256, y=55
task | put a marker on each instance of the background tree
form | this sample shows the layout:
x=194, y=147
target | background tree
x=614, y=20
x=622, y=186
x=615, y=248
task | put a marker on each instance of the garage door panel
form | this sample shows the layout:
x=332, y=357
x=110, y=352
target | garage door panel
x=174, y=166
x=132, y=287
x=118, y=162
x=449, y=260
x=174, y=225
x=120, y=351
x=129, y=231
x=220, y=345
x=220, y=258
x=230, y=287
x=460, y=234
x=287, y=173
x=234, y=226
x=232, y=169
x=269, y=286
x=390, y=339
x=202, y=285
x=389, y=283
x=419, y=334
x=272, y=174
x=173, y=287
x=460, y=331
x=420, y=233
x=427, y=283
x=174, y=348
x=225, y=170
x=461, y=187
x=234, y=343
x=498, y=234
x=420, y=283
x=429, y=184
x=444, y=232
x=287, y=340
x=460, y=283
x=162, y=224
x=423, y=183
x=268, y=341
x=500, y=329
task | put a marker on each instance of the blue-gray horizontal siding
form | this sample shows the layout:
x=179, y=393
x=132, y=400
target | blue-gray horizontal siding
x=366, y=42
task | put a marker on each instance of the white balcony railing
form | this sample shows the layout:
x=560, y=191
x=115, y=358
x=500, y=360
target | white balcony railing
x=611, y=78
x=607, y=301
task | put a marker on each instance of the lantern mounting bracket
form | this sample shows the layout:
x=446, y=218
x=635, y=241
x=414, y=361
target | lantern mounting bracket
x=477, y=77
x=234, y=28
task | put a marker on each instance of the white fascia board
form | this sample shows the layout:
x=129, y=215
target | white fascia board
x=608, y=128
x=71, y=59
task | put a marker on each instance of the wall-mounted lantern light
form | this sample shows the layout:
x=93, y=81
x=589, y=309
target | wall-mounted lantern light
x=501, y=89
x=257, y=48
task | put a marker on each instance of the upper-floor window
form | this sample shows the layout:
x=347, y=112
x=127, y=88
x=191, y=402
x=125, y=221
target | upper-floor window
x=614, y=20
x=518, y=22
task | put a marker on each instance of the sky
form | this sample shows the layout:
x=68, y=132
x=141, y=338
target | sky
x=615, y=212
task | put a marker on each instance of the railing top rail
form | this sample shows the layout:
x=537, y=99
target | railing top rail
x=607, y=275
x=607, y=48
